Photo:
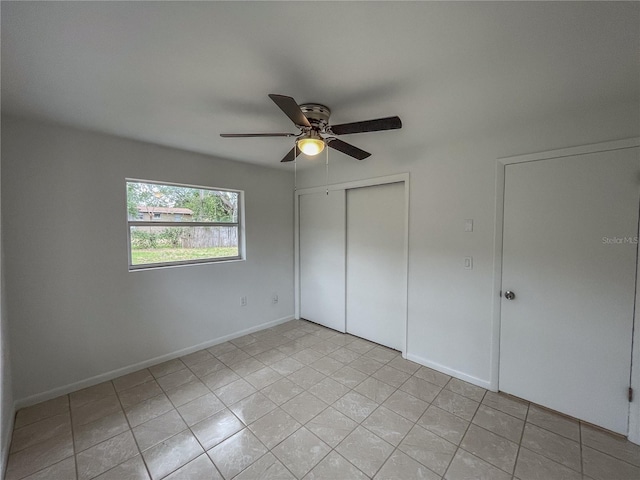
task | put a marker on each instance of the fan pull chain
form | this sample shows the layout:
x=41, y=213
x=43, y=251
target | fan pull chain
x=295, y=174
x=327, y=180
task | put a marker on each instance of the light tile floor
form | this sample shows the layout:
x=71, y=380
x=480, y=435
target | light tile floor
x=302, y=401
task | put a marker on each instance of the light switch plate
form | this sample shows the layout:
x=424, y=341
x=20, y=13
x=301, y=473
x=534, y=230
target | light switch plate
x=468, y=263
x=468, y=225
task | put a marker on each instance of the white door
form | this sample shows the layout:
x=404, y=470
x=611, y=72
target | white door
x=322, y=258
x=376, y=264
x=566, y=337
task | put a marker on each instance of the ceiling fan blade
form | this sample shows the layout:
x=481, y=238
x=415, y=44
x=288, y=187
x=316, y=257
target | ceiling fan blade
x=387, y=123
x=291, y=156
x=347, y=149
x=291, y=109
x=248, y=135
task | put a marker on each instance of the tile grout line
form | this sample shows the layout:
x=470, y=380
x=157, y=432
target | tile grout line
x=458, y=448
x=126, y=418
x=551, y=431
x=581, y=448
x=397, y=447
x=269, y=450
x=332, y=449
x=57, y=462
x=617, y=459
x=524, y=425
x=73, y=439
x=528, y=422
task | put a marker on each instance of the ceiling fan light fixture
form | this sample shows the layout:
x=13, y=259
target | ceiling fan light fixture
x=311, y=144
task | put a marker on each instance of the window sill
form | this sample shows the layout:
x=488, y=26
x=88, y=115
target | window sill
x=190, y=263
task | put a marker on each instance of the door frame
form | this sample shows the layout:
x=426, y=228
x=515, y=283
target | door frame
x=397, y=178
x=501, y=163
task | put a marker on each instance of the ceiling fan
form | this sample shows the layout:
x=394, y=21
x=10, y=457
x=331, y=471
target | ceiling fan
x=312, y=119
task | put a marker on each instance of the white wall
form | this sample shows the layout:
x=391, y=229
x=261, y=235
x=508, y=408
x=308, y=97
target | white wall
x=450, y=308
x=6, y=387
x=76, y=310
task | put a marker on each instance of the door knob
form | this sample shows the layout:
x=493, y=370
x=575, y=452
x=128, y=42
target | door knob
x=509, y=295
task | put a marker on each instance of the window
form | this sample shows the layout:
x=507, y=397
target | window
x=181, y=225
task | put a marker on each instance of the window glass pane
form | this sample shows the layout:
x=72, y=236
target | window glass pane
x=170, y=203
x=160, y=244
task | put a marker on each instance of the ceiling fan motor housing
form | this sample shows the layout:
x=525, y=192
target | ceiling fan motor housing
x=317, y=114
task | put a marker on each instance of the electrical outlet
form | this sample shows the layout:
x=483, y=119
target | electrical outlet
x=274, y=299
x=468, y=225
x=243, y=301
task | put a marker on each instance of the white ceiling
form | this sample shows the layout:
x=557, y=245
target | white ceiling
x=178, y=73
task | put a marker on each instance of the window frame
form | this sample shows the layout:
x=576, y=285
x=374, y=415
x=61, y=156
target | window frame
x=239, y=224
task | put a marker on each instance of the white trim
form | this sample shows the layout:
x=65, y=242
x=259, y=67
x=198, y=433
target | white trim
x=187, y=263
x=186, y=185
x=405, y=338
x=501, y=163
x=449, y=371
x=296, y=255
x=242, y=228
x=572, y=151
x=369, y=182
x=72, y=387
x=345, y=246
x=634, y=406
x=494, y=347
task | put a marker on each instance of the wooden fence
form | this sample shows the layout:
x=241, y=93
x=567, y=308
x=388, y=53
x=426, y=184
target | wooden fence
x=206, y=237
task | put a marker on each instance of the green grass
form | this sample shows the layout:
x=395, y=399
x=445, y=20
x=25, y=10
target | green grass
x=142, y=256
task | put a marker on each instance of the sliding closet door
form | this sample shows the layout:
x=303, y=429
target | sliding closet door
x=376, y=264
x=322, y=258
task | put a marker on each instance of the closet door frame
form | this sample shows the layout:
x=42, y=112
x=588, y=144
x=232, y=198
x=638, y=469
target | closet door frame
x=397, y=178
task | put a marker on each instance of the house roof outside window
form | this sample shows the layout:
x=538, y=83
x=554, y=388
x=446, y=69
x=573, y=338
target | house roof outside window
x=169, y=210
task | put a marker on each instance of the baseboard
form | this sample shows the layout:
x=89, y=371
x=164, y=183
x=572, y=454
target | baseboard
x=103, y=377
x=450, y=371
